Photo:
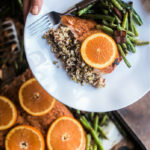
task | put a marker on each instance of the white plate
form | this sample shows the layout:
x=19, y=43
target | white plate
x=123, y=87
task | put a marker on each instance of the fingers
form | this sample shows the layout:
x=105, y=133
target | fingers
x=36, y=6
x=26, y=7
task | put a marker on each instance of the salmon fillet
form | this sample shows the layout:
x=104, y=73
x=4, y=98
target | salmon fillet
x=82, y=28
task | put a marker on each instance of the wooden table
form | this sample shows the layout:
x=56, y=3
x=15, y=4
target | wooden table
x=137, y=118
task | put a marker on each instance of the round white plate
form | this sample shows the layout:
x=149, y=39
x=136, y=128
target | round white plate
x=123, y=87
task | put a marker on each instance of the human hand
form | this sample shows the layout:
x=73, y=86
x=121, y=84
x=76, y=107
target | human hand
x=34, y=6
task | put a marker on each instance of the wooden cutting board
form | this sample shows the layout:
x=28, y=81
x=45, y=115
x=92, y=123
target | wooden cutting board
x=137, y=118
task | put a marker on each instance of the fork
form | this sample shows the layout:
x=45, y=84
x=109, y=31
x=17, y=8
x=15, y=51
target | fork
x=53, y=18
x=9, y=43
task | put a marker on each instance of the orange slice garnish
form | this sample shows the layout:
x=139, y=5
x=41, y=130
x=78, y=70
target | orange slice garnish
x=24, y=138
x=99, y=50
x=34, y=99
x=8, y=113
x=66, y=134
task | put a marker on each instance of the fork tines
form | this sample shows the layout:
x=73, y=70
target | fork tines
x=40, y=25
x=8, y=37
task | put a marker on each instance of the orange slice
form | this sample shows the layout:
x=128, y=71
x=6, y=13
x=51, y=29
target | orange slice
x=99, y=50
x=24, y=138
x=8, y=113
x=34, y=99
x=66, y=134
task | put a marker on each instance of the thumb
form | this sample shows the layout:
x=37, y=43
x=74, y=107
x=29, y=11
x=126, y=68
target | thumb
x=36, y=6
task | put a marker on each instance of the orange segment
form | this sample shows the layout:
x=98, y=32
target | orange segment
x=34, y=99
x=99, y=50
x=66, y=134
x=8, y=113
x=24, y=138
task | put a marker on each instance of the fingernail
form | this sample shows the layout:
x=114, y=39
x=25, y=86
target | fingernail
x=35, y=10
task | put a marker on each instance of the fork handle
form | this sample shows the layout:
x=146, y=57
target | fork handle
x=84, y=4
x=80, y=5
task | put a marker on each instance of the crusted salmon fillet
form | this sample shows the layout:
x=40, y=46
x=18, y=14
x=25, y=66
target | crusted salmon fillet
x=42, y=122
x=82, y=28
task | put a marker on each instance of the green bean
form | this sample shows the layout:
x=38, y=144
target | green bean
x=105, y=23
x=131, y=45
x=84, y=10
x=115, y=2
x=127, y=25
x=104, y=120
x=135, y=29
x=91, y=147
x=78, y=112
x=137, y=18
x=105, y=11
x=125, y=20
x=123, y=4
x=128, y=47
x=90, y=11
x=87, y=125
x=117, y=19
x=113, y=20
x=140, y=43
x=102, y=133
x=131, y=21
x=103, y=5
x=133, y=39
x=106, y=29
x=92, y=116
x=111, y=6
x=124, y=45
x=97, y=16
x=107, y=3
x=88, y=141
x=96, y=120
x=123, y=55
x=120, y=2
x=20, y=3
x=112, y=25
x=95, y=147
x=130, y=33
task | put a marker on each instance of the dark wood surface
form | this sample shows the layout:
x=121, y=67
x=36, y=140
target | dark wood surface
x=137, y=117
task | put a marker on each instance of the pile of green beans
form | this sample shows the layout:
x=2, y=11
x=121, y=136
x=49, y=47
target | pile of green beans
x=112, y=15
x=93, y=124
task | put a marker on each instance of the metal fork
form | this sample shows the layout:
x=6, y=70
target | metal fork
x=53, y=18
x=9, y=43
